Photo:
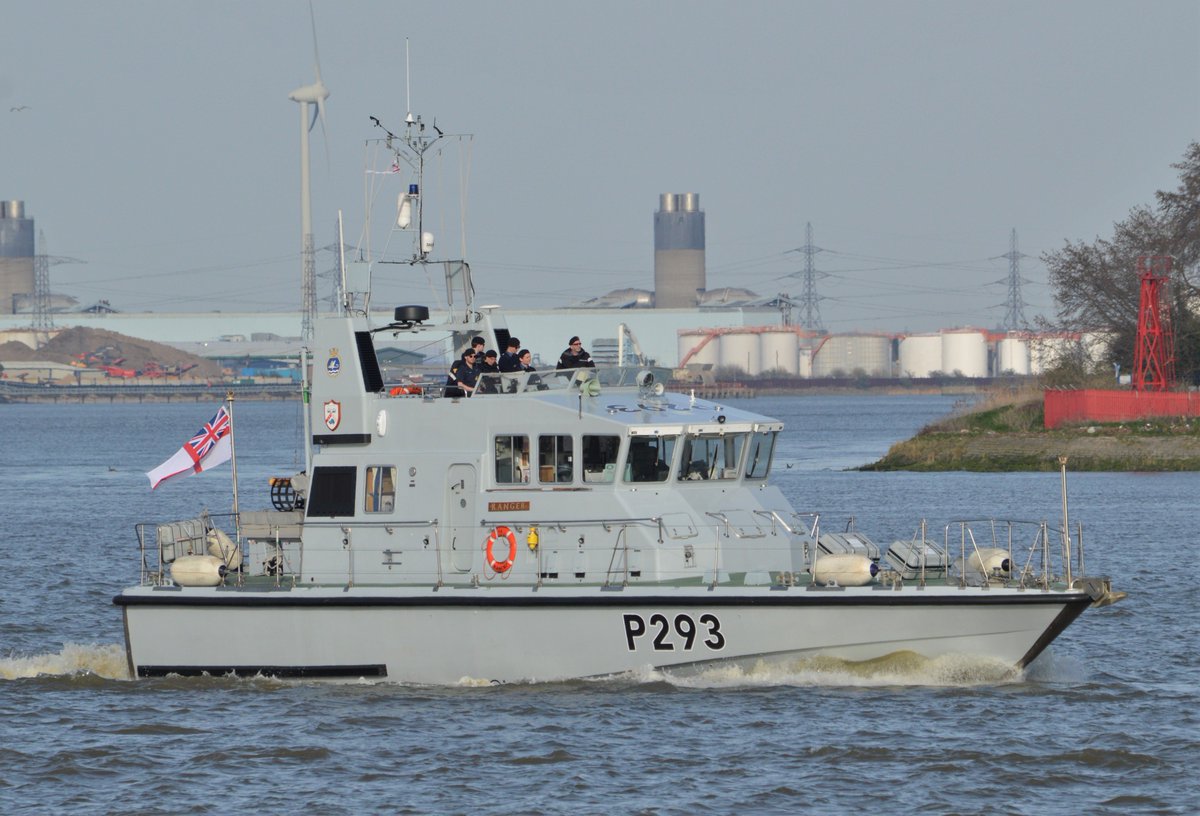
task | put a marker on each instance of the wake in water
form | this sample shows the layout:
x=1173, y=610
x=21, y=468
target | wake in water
x=896, y=669
x=102, y=660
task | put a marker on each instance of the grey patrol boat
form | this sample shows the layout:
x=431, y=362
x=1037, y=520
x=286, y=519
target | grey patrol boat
x=555, y=525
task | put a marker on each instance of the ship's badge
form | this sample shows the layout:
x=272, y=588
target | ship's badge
x=334, y=364
x=333, y=415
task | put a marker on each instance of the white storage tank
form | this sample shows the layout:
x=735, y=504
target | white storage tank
x=805, y=361
x=920, y=355
x=850, y=353
x=780, y=352
x=1046, y=351
x=1012, y=355
x=964, y=352
x=1096, y=345
x=741, y=350
x=690, y=339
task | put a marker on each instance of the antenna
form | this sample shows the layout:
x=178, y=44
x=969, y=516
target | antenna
x=408, y=118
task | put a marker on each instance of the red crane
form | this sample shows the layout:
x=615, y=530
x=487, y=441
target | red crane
x=1154, y=355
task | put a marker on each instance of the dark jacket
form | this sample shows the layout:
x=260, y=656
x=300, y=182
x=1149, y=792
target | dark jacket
x=461, y=378
x=509, y=362
x=489, y=378
x=580, y=360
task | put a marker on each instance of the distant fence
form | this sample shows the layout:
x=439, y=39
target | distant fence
x=1098, y=405
x=11, y=391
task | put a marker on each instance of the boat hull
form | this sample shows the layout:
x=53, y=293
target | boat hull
x=453, y=635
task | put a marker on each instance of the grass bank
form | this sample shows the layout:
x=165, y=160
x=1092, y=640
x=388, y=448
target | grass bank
x=1004, y=433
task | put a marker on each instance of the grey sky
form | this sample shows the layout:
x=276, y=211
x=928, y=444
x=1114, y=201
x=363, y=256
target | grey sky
x=160, y=147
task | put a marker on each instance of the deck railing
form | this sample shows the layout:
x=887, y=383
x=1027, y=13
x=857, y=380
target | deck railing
x=609, y=549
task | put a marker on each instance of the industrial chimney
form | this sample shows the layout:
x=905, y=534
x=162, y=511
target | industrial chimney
x=678, y=251
x=16, y=254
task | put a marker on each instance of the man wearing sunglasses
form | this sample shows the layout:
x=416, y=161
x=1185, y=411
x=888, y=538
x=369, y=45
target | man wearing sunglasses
x=460, y=382
x=575, y=356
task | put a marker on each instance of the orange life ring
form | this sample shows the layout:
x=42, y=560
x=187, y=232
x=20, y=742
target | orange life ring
x=400, y=390
x=501, y=532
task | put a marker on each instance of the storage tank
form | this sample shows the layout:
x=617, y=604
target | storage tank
x=1012, y=356
x=964, y=352
x=851, y=353
x=690, y=339
x=780, y=352
x=1096, y=345
x=920, y=355
x=741, y=350
x=804, y=365
x=1046, y=351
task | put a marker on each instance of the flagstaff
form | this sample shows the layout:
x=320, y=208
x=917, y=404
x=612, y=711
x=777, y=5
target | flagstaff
x=237, y=519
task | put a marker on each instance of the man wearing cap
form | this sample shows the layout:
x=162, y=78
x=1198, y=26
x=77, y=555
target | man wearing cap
x=575, y=356
x=489, y=373
x=460, y=382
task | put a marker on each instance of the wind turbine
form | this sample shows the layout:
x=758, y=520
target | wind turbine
x=314, y=94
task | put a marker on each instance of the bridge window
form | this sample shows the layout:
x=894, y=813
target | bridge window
x=600, y=458
x=512, y=460
x=758, y=459
x=711, y=456
x=555, y=459
x=649, y=458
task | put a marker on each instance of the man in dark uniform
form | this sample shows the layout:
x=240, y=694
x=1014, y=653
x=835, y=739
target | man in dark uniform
x=489, y=374
x=508, y=360
x=575, y=356
x=462, y=377
x=477, y=345
x=525, y=358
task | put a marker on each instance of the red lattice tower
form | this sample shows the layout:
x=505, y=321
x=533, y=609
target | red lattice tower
x=1154, y=355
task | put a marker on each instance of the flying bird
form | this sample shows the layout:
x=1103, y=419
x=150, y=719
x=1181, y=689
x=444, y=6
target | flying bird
x=18, y=108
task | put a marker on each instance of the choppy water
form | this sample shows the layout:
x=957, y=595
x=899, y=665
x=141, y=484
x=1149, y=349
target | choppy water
x=1105, y=722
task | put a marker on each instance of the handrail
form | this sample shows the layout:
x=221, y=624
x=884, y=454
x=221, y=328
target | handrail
x=617, y=547
x=1023, y=572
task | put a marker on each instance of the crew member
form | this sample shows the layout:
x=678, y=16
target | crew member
x=489, y=373
x=508, y=360
x=575, y=356
x=460, y=382
x=477, y=345
x=525, y=357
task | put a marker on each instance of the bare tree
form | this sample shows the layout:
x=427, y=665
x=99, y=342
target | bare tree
x=1096, y=286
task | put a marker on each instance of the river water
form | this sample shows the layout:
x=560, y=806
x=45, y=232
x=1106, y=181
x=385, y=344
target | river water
x=1105, y=722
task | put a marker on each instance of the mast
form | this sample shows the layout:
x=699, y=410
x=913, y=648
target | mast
x=237, y=518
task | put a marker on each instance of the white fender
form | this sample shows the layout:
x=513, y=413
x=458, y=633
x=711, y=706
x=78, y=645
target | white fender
x=845, y=569
x=223, y=548
x=990, y=561
x=198, y=570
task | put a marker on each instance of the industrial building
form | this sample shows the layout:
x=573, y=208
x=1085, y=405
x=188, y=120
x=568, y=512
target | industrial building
x=680, y=324
x=16, y=255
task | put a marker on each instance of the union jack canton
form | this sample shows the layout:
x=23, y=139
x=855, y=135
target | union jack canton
x=213, y=432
